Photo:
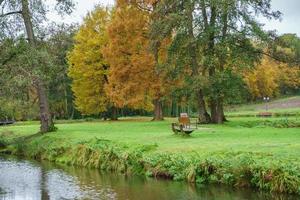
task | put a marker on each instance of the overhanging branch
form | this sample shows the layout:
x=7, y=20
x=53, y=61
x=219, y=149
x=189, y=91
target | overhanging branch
x=11, y=13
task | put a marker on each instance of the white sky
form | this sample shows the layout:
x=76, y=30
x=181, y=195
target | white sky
x=290, y=8
x=290, y=19
x=81, y=9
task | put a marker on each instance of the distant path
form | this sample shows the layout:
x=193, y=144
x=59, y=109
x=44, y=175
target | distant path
x=292, y=102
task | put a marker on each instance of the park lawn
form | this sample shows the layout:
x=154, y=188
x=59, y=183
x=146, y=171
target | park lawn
x=236, y=136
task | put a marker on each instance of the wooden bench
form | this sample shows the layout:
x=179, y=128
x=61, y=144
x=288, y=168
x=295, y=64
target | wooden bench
x=264, y=114
x=184, y=125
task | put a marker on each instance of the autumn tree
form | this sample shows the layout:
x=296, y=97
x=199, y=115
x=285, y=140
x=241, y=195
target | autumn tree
x=87, y=66
x=278, y=72
x=289, y=79
x=133, y=80
x=263, y=79
x=286, y=51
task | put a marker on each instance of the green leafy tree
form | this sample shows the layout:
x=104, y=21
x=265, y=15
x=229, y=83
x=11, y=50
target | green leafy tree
x=59, y=43
x=30, y=14
x=210, y=36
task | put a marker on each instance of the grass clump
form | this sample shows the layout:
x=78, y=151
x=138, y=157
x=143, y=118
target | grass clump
x=3, y=142
x=5, y=137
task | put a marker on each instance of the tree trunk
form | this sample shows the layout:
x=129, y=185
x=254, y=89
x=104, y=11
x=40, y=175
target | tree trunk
x=203, y=117
x=27, y=22
x=66, y=115
x=158, y=112
x=45, y=117
x=220, y=116
x=213, y=111
x=114, y=113
x=220, y=112
x=72, y=113
x=217, y=111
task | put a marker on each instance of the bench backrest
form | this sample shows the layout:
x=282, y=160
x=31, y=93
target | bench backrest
x=184, y=119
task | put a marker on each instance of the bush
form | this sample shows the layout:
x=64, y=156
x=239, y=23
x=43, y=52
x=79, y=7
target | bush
x=3, y=142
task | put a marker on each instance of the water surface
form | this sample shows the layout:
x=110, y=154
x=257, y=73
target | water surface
x=30, y=180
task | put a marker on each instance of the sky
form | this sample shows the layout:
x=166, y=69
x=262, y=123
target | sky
x=290, y=22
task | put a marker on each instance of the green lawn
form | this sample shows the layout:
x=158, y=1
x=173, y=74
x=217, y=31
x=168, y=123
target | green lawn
x=238, y=135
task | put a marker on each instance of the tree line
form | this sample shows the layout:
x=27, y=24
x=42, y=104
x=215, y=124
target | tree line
x=148, y=57
x=143, y=54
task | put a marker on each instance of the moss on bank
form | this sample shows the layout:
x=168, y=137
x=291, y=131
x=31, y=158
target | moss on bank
x=237, y=169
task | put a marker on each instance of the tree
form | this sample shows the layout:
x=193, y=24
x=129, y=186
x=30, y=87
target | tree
x=16, y=104
x=289, y=79
x=60, y=41
x=278, y=72
x=133, y=81
x=211, y=37
x=271, y=78
x=286, y=48
x=31, y=14
x=87, y=66
x=286, y=51
x=263, y=80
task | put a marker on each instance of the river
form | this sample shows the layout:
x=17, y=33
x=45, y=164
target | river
x=31, y=180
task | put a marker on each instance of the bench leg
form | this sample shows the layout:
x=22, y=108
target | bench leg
x=173, y=128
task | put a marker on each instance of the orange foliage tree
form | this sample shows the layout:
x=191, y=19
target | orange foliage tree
x=133, y=81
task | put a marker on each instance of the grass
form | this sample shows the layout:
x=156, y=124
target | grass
x=214, y=153
x=234, y=136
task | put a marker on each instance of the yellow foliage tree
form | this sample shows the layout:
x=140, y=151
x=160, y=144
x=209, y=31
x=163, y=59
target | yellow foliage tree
x=289, y=78
x=263, y=80
x=87, y=66
x=270, y=77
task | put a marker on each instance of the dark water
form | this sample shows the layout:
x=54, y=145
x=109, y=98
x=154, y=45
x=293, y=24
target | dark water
x=29, y=180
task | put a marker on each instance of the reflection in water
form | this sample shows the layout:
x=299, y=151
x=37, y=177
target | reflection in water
x=26, y=180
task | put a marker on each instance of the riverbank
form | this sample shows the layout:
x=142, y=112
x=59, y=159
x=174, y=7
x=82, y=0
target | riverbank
x=58, y=181
x=245, y=152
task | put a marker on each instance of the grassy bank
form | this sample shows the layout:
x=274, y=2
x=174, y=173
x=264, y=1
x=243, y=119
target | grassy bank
x=245, y=152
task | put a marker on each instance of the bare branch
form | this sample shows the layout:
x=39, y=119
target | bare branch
x=10, y=13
